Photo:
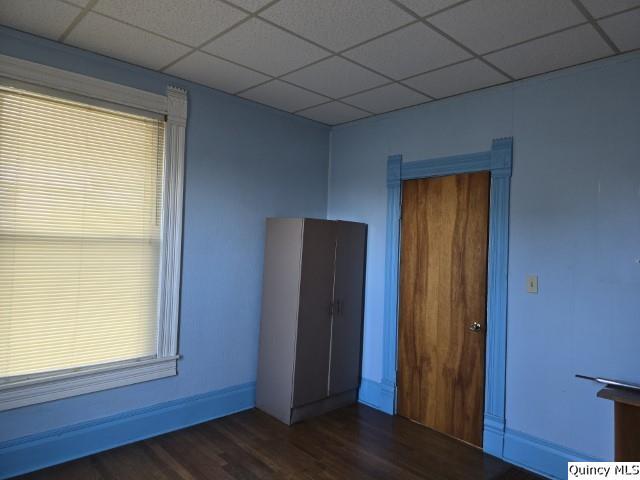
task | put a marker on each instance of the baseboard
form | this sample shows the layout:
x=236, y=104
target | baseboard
x=493, y=435
x=534, y=454
x=540, y=456
x=377, y=395
x=42, y=450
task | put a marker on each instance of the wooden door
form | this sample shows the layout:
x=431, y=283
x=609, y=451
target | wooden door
x=346, y=331
x=313, y=341
x=443, y=272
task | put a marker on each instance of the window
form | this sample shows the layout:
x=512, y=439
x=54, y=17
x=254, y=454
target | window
x=90, y=224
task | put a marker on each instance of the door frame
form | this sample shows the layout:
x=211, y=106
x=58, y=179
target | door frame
x=498, y=162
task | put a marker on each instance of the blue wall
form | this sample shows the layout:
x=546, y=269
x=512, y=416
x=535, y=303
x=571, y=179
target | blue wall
x=574, y=220
x=244, y=162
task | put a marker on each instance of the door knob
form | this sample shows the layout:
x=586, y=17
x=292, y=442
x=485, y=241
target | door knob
x=475, y=327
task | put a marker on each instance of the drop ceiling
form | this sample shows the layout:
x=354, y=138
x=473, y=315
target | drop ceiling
x=335, y=61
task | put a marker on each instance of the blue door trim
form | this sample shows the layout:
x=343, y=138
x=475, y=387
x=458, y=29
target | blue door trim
x=498, y=161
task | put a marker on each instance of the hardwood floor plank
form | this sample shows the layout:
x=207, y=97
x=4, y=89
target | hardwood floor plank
x=162, y=456
x=195, y=452
x=356, y=442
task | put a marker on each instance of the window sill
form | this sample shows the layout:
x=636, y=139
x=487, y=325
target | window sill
x=59, y=385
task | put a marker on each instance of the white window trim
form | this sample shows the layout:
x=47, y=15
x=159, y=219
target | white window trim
x=32, y=389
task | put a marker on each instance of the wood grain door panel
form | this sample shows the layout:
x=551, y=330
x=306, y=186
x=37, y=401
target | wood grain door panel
x=443, y=272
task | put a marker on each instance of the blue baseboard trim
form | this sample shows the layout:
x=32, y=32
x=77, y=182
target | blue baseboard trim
x=531, y=453
x=377, y=395
x=540, y=456
x=33, y=452
x=493, y=435
x=42, y=450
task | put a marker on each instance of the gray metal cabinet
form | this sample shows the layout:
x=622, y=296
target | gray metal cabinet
x=312, y=309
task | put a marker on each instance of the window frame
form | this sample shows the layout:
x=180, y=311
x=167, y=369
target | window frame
x=44, y=387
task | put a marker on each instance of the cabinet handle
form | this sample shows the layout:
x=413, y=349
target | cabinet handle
x=338, y=307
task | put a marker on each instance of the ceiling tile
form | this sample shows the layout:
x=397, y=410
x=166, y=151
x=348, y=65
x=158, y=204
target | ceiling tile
x=251, y=5
x=408, y=51
x=193, y=22
x=578, y=45
x=214, y=72
x=335, y=77
x=266, y=48
x=487, y=25
x=283, y=96
x=623, y=29
x=600, y=8
x=110, y=37
x=427, y=7
x=384, y=99
x=459, y=78
x=333, y=113
x=47, y=18
x=337, y=24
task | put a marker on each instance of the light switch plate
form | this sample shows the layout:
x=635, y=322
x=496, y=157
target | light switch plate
x=532, y=284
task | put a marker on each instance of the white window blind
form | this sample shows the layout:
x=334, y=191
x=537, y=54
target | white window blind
x=80, y=215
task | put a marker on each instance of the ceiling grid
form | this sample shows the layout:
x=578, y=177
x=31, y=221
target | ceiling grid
x=335, y=61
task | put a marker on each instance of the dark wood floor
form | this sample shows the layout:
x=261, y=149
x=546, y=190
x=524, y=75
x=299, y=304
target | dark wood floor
x=352, y=443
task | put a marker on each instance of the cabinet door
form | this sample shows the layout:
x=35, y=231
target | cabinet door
x=278, y=324
x=346, y=338
x=311, y=374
